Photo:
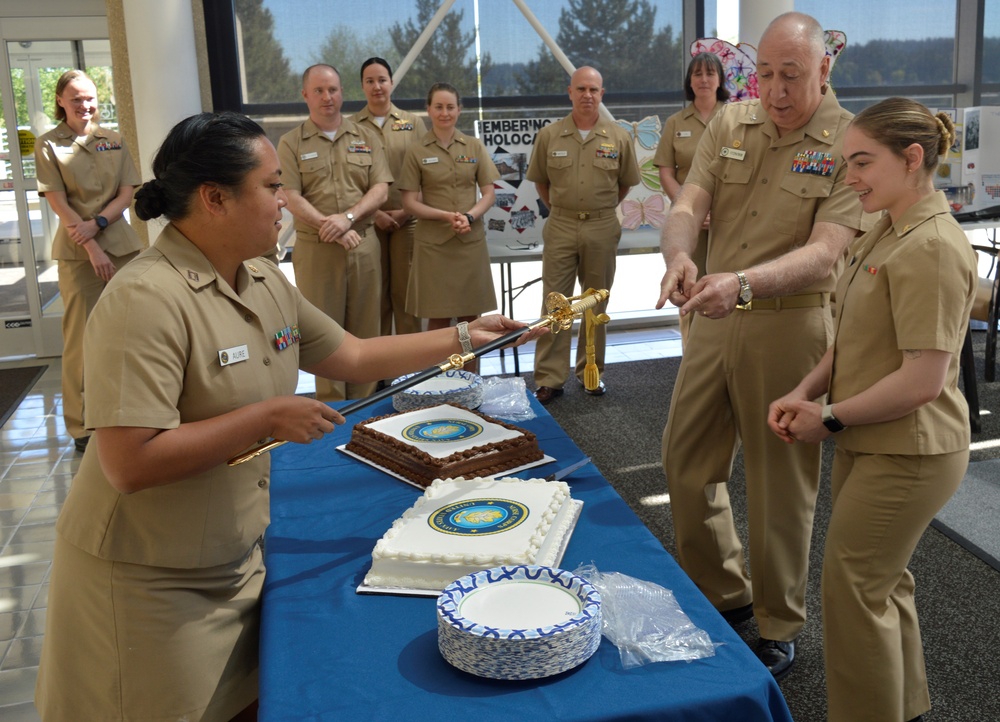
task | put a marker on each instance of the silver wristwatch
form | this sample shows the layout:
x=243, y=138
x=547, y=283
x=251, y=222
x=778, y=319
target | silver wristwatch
x=350, y=217
x=746, y=294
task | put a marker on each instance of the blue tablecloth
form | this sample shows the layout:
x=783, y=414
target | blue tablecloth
x=328, y=653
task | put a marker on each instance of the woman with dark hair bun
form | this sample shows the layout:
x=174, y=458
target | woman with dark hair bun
x=393, y=224
x=193, y=354
x=87, y=176
x=887, y=391
x=705, y=87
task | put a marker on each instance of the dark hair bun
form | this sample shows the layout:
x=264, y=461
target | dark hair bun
x=150, y=200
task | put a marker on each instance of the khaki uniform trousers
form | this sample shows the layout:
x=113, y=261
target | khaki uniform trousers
x=79, y=287
x=397, y=254
x=575, y=250
x=346, y=286
x=733, y=368
x=871, y=639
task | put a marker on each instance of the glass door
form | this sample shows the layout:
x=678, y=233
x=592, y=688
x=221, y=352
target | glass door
x=30, y=305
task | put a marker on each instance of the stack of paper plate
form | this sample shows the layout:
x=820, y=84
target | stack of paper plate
x=519, y=622
x=454, y=386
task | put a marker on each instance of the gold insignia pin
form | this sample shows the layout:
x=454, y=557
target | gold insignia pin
x=736, y=144
x=826, y=133
x=252, y=268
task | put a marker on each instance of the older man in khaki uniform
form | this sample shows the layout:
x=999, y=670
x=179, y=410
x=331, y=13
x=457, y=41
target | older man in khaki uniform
x=770, y=171
x=336, y=176
x=583, y=166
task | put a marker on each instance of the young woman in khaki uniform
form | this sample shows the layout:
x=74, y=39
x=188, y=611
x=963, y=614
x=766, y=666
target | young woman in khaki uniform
x=705, y=87
x=393, y=225
x=87, y=176
x=450, y=276
x=193, y=354
x=892, y=403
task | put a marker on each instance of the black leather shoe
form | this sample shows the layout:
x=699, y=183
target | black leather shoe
x=81, y=443
x=740, y=614
x=545, y=394
x=599, y=391
x=777, y=656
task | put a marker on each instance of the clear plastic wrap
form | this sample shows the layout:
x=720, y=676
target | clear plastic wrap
x=506, y=398
x=645, y=621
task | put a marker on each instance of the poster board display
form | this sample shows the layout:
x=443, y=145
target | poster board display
x=515, y=222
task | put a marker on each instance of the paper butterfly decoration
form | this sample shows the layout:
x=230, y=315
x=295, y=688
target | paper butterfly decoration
x=739, y=62
x=650, y=211
x=649, y=174
x=646, y=131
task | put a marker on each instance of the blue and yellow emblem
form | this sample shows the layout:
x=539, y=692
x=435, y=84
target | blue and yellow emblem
x=440, y=430
x=478, y=517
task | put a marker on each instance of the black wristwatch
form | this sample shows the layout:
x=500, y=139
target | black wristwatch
x=471, y=219
x=102, y=222
x=831, y=422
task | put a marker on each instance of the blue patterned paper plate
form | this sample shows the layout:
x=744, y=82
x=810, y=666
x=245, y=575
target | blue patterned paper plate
x=454, y=386
x=519, y=622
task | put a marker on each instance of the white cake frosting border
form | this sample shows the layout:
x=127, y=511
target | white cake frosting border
x=556, y=522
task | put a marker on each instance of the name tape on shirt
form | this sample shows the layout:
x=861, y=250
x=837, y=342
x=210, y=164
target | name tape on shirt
x=234, y=355
x=308, y=156
x=734, y=153
x=683, y=134
x=560, y=153
x=431, y=160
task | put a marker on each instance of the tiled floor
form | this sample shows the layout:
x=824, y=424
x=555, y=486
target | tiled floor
x=37, y=463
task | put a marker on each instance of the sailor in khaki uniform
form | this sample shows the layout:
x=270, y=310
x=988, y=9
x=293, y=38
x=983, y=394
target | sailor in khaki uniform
x=583, y=166
x=770, y=171
x=705, y=87
x=893, y=406
x=336, y=177
x=450, y=277
x=393, y=225
x=87, y=176
x=154, y=599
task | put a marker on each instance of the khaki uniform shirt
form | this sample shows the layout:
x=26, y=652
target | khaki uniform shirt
x=908, y=285
x=680, y=140
x=169, y=343
x=332, y=175
x=398, y=132
x=583, y=175
x=768, y=192
x=448, y=178
x=89, y=172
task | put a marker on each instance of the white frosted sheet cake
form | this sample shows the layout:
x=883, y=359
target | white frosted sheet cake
x=462, y=526
x=439, y=439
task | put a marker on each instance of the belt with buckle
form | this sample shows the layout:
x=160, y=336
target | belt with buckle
x=582, y=215
x=805, y=300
